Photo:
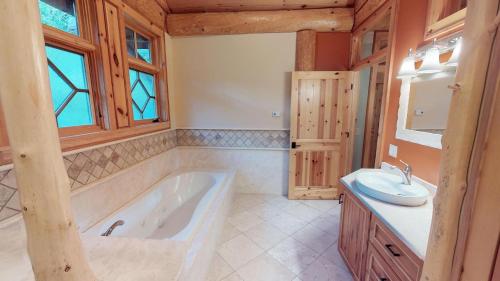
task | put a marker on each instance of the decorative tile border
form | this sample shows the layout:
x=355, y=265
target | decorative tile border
x=88, y=166
x=233, y=138
x=91, y=165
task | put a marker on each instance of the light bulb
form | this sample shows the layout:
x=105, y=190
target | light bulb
x=407, y=69
x=431, y=62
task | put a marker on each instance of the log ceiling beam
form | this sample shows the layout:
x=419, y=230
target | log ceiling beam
x=322, y=20
x=200, y=6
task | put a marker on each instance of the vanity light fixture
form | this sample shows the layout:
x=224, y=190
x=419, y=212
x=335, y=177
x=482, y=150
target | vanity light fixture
x=431, y=62
x=453, y=61
x=407, y=69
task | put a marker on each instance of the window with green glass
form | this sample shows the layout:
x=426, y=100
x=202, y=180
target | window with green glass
x=60, y=14
x=142, y=86
x=69, y=87
x=138, y=46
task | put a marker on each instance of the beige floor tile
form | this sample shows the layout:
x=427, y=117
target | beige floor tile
x=265, y=268
x=324, y=270
x=244, y=221
x=314, y=238
x=293, y=254
x=239, y=250
x=228, y=233
x=219, y=269
x=327, y=223
x=265, y=235
x=265, y=211
x=233, y=277
x=321, y=205
x=287, y=223
x=332, y=254
x=302, y=212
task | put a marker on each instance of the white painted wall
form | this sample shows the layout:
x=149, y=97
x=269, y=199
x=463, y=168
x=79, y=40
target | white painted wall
x=233, y=81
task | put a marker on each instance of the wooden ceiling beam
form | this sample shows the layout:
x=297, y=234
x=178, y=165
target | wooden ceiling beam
x=197, y=6
x=322, y=20
x=164, y=5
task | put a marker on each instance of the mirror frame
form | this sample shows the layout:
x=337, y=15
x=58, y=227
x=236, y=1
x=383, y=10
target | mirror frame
x=402, y=133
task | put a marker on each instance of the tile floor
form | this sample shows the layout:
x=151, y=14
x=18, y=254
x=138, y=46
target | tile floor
x=269, y=238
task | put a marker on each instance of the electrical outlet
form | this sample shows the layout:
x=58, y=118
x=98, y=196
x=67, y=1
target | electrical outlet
x=393, y=150
x=276, y=114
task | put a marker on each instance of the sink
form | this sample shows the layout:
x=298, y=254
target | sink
x=390, y=188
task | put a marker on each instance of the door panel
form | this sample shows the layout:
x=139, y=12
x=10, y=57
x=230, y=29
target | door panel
x=321, y=121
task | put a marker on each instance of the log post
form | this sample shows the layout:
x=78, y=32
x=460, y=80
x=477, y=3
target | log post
x=305, y=58
x=458, y=141
x=53, y=241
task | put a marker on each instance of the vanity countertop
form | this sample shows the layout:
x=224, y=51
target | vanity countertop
x=410, y=224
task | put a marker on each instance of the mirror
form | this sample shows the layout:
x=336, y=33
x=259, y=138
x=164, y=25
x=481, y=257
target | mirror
x=429, y=102
x=423, y=108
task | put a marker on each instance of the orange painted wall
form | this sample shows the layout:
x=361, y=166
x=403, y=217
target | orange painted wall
x=332, y=51
x=410, y=26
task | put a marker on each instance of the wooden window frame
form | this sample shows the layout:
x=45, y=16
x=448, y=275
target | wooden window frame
x=92, y=42
x=141, y=25
x=84, y=45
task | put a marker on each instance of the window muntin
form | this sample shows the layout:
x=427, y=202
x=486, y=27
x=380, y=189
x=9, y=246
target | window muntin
x=144, y=103
x=138, y=46
x=69, y=87
x=60, y=14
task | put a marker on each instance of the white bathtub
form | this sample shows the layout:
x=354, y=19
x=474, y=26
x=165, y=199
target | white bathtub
x=189, y=207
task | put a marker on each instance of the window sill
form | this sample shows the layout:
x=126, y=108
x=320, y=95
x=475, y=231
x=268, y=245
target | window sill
x=69, y=143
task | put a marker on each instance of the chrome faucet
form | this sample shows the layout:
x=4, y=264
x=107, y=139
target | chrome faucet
x=112, y=227
x=406, y=172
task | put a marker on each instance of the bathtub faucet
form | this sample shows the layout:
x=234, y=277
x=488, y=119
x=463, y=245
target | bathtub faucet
x=112, y=227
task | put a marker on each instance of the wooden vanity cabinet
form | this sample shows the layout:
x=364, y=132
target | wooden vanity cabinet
x=354, y=230
x=371, y=251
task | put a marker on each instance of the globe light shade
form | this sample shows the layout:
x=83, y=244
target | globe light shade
x=431, y=62
x=407, y=69
x=453, y=61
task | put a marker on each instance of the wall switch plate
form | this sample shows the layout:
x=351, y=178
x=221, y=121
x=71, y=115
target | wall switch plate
x=393, y=150
x=276, y=114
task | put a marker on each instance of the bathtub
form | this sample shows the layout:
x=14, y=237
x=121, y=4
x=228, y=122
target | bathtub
x=188, y=206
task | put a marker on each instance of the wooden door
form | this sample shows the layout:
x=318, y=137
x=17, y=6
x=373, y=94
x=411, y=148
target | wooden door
x=354, y=231
x=321, y=131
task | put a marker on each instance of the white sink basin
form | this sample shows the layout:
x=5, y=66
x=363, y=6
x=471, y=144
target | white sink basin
x=390, y=188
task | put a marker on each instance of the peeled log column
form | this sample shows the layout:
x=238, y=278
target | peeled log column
x=54, y=245
x=305, y=58
x=458, y=141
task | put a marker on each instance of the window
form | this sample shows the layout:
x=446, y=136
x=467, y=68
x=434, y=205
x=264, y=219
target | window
x=68, y=64
x=138, y=46
x=60, y=14
x=142, y=87
x=143, y=74
x=69, y=86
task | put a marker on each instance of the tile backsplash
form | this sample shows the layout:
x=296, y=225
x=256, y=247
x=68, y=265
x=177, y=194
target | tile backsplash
x=90, y=165
x=233, y=138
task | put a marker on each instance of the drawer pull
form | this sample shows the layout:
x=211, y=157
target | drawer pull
x=394, y=253
x=383, y=279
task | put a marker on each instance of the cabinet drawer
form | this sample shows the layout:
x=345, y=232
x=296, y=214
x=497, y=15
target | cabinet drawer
x=377, y=268
x=404, y=262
